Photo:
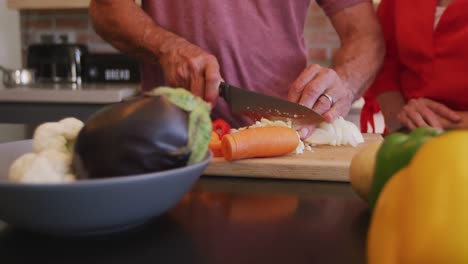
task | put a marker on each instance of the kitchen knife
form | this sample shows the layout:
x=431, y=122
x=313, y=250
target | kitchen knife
x=258, y=105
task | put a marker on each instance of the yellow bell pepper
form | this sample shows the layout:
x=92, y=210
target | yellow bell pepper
x=421, y=215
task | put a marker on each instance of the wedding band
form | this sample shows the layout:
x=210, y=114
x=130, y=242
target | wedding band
x=329, y=97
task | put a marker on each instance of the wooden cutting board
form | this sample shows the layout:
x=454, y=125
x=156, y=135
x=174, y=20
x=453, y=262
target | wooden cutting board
x=328, y=163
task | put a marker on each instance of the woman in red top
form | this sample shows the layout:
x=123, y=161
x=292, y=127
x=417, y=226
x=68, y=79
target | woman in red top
x=424, y=79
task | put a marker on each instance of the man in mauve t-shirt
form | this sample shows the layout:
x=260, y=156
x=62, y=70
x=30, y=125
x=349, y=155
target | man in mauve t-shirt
x=254, y=44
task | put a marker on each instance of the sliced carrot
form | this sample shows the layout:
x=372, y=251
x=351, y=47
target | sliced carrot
x=214, y=136
x=259, y=142
x=215, y=145
x=217, y=152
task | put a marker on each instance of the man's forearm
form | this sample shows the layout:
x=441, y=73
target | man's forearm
x=358, y=61
x=362, y=47
x=128, y=28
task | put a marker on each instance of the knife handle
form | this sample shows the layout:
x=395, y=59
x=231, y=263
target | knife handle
x=223, y=87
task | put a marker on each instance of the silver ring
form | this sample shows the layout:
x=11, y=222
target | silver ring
x=329, y=97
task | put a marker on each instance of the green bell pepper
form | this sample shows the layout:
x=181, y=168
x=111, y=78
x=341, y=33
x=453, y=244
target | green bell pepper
x=396, y=152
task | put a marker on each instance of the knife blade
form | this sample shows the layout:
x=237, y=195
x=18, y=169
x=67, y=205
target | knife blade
x=256, y=105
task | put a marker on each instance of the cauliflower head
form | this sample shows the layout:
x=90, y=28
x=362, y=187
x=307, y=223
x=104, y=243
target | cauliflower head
x=48, y=166
x=52, y=157
x=57, y=135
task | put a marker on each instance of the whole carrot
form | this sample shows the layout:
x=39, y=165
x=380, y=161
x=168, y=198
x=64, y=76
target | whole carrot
x=259, y=142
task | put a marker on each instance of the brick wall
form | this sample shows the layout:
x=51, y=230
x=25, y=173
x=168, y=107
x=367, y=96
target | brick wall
x=75, y=25
x=43, y=26
x=321, y=38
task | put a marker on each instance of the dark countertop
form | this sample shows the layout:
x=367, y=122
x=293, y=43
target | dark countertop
x=223, y=220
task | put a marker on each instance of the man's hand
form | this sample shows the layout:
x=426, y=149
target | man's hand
x=354, y=65
x=426, y=112
x=186, y=65
x=310, y=88
x=322, y=90
x=127, y=27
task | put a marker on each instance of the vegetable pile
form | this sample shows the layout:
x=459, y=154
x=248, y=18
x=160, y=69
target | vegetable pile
x=166, y=129
x=376, y=163
x=418, y=197
x=421, y=215
x=395, y=153
x=279, y=139
x=263, y=139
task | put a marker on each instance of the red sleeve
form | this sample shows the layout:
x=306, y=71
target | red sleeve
x=388, y=77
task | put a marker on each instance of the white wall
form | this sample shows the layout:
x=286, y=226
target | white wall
x=10, y=57
x=10, y=48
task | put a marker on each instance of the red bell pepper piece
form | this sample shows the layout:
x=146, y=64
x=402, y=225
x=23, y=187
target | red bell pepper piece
x=221, y=127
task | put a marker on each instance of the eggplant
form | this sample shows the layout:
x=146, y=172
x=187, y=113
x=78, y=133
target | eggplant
x=165, y=129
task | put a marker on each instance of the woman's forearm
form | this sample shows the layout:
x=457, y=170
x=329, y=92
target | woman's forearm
x=391, y=103
x=128, y=28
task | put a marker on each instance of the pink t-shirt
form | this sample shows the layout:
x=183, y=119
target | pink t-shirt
x=259, y=43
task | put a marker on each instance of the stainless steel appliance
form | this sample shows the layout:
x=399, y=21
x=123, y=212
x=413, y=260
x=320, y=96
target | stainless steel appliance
x=110, y=68
x=57, y=62
x=17, y=77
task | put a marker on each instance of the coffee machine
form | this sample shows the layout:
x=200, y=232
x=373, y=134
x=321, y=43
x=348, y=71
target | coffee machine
x=57, y=63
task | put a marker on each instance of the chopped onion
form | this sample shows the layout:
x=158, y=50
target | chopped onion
x=340, y=132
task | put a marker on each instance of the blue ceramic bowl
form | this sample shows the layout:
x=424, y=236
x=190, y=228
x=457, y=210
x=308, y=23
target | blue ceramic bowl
x=90, y=207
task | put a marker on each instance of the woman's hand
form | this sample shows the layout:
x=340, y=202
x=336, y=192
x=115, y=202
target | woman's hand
x=426, y=112
x=188, y=66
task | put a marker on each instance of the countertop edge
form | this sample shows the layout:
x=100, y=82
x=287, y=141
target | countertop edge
x=65, y=96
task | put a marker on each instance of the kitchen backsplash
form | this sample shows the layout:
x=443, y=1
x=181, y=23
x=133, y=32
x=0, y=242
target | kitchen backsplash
x=75, y=26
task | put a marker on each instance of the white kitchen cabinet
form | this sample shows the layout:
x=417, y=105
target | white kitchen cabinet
x=10, y=56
